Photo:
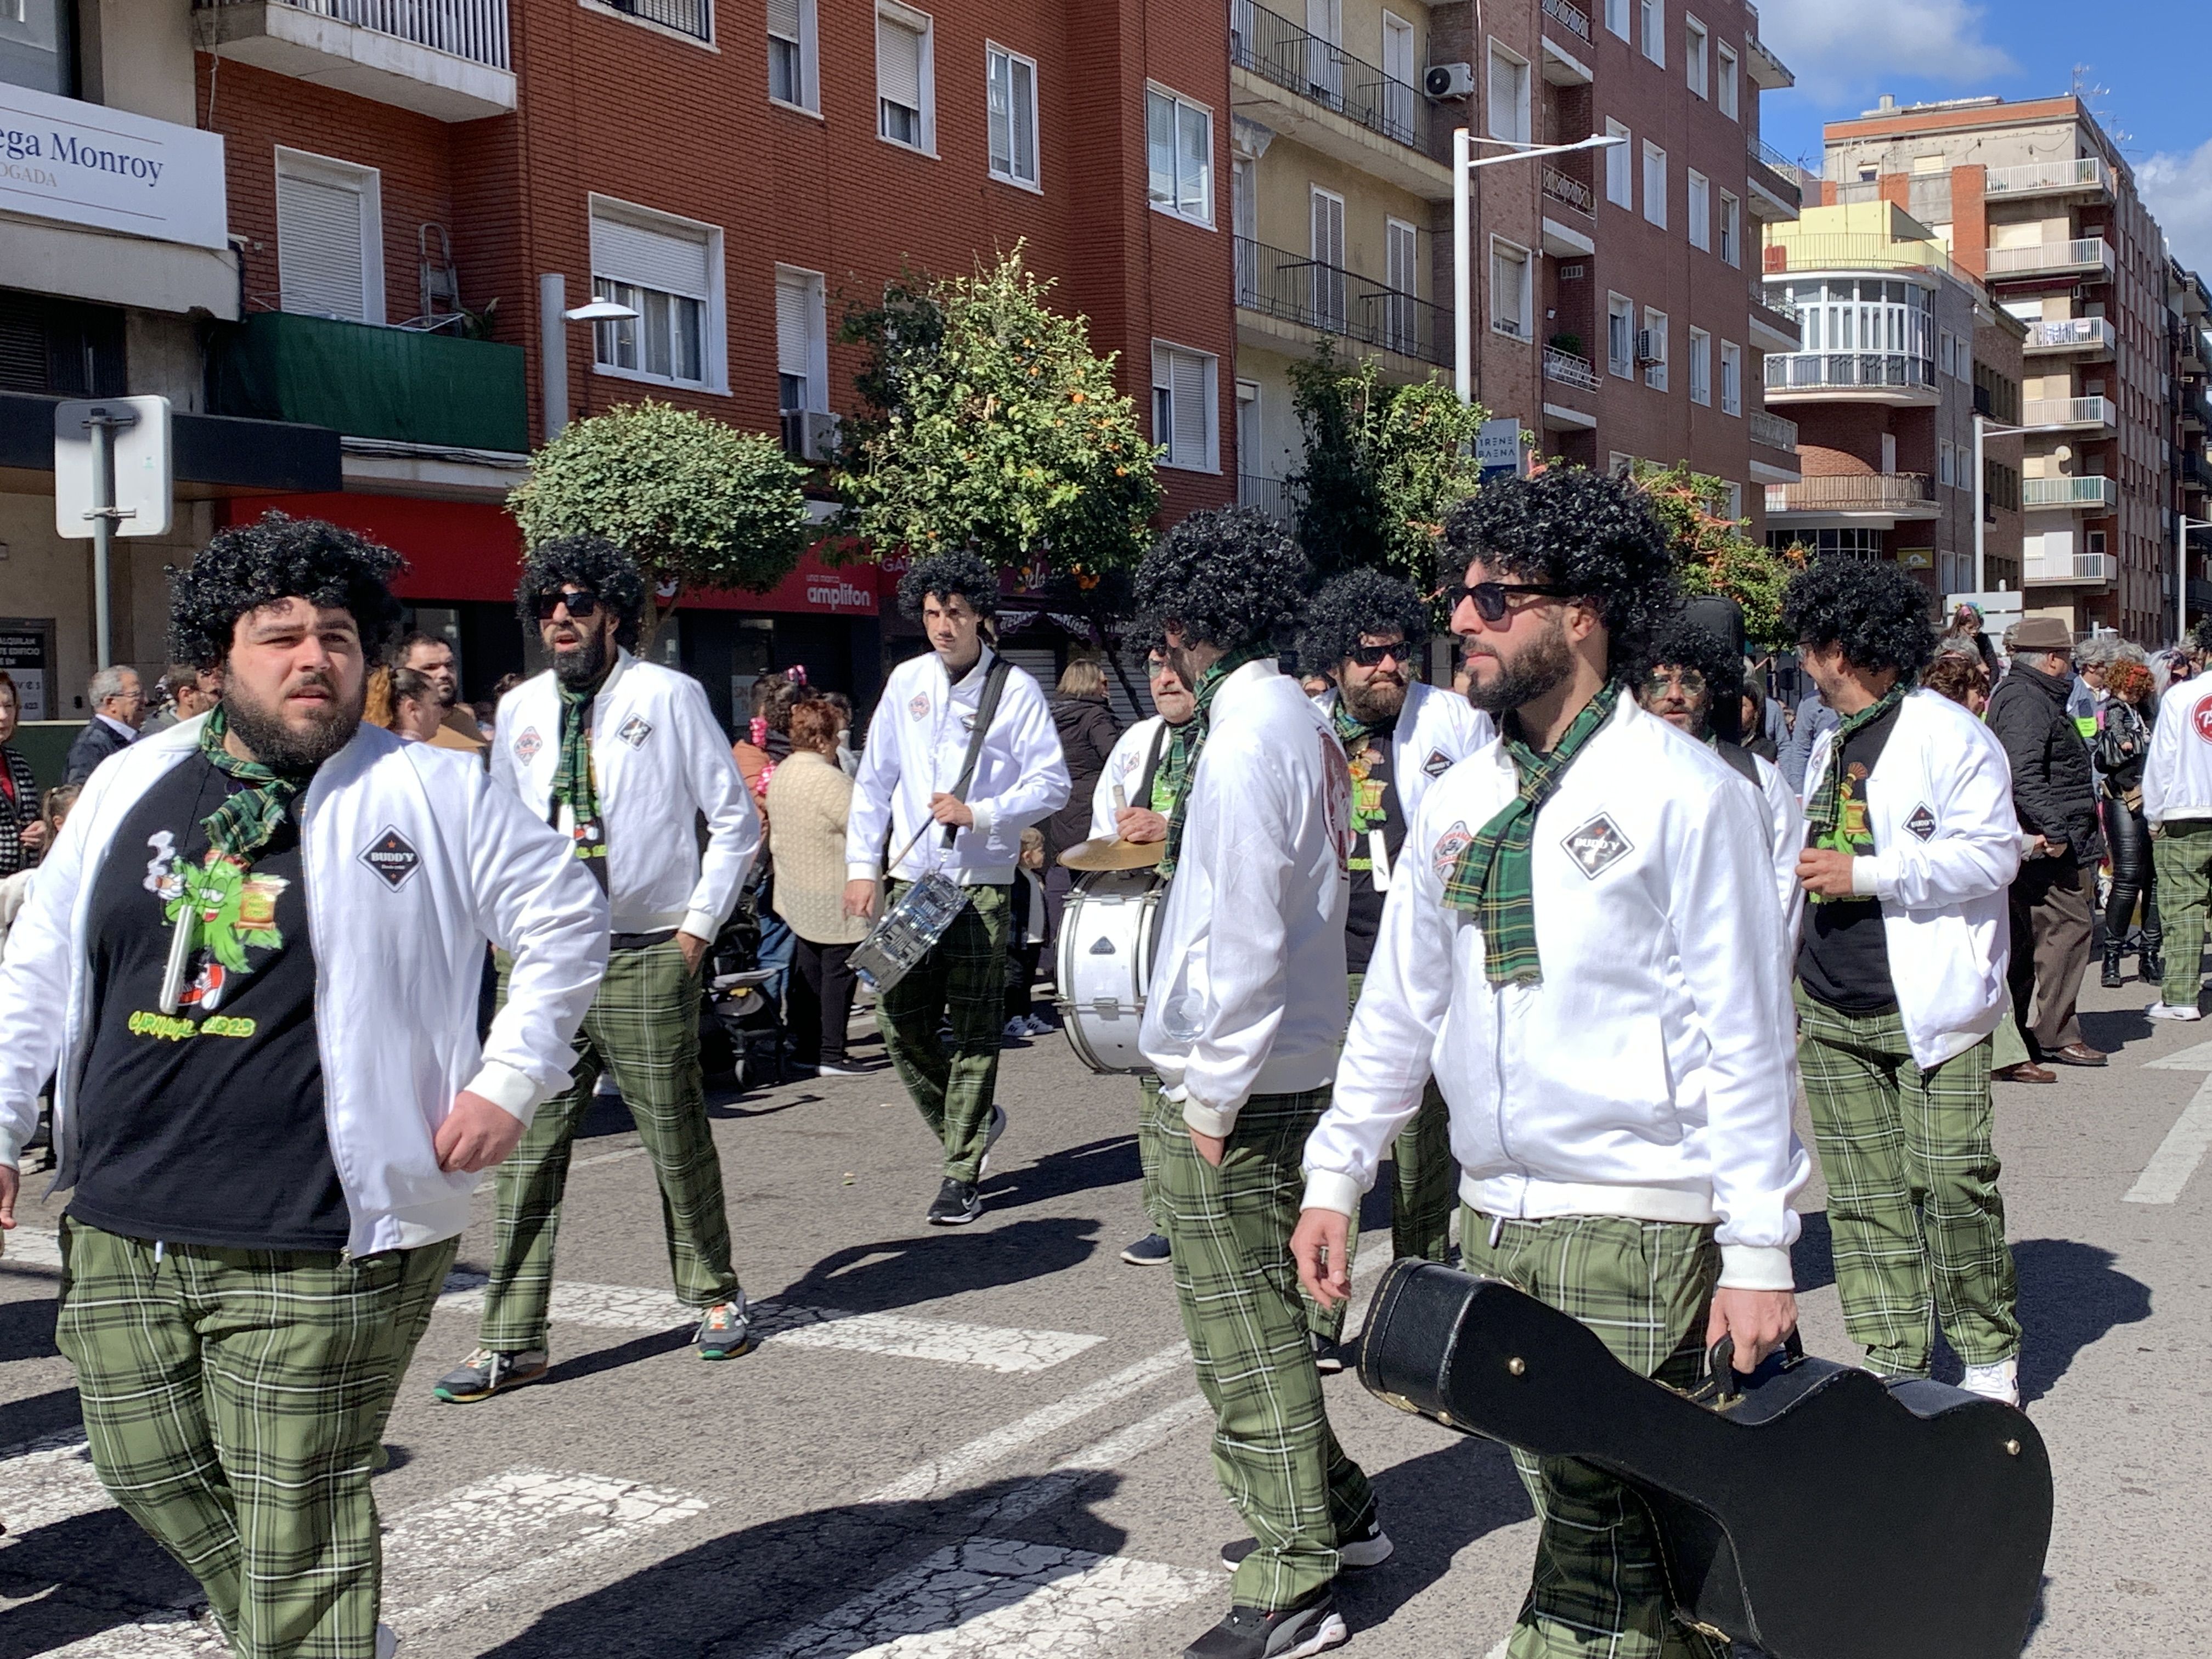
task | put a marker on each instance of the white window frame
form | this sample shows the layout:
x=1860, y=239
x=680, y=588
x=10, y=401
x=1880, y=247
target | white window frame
x=1946, y=464
x=714, y=326
x=1697, y=58
x=1655, y=30
x=1163, y=354
x=1701, y=368
x=810, y=63
x=1402, y=90
x=1726, y=97
x=1401, y=311
x=1521, y=324
x=1656, y=324
x=1178, y=104
x=1515, y=129
x=1619, y=308
x=1698, y=205
x=1731, y=248
x=366, y=183
x=1621, y=166
x=818, y=337
x=1731, y=377
x=993, y=54
x=1733, y=500
x=922, y=23
x=1616, y=16
x=1655, y=173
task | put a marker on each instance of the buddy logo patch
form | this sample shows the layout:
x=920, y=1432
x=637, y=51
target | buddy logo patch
x=919, y=707
x=634, y=731
x=1922, y=823
x=527, y=746
x=1437, y=764
x=1449, y=846
x=391, y=858
x=1597, y=846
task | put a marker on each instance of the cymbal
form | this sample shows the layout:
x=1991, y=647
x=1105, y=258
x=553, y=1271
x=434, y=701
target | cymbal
x=1112, y=854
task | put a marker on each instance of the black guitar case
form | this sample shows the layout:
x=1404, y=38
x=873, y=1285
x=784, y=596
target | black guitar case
x=1820, y=1513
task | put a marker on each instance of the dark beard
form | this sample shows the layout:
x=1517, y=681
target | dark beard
x=281, y=748
x=586, y=665
x=1542, y=667
x=1378, y=702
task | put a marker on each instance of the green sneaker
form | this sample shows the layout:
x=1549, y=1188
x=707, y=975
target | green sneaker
x=725, y=1332
x=487, y=1372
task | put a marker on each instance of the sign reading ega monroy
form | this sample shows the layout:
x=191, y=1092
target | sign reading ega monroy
x=92, y=165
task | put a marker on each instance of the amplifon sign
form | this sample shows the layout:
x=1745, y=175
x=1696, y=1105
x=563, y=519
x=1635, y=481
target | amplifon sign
x=86, y=164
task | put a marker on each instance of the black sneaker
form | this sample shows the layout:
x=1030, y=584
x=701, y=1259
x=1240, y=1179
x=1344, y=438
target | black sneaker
x=1368, y=1546
x=1328, y=1356
x=1288, y=1633
x=486, y=1372
x=1150, y=1251
x=957, y=1204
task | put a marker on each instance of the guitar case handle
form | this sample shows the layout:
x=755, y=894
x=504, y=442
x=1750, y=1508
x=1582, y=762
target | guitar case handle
x=1724, y=1385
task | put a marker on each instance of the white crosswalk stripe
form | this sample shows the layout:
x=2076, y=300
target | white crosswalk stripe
x=47, y=1481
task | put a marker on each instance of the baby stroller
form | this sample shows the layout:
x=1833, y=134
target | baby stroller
x=741, y=1035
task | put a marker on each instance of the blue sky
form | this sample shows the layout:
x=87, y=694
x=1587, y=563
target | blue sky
x=2145, y=61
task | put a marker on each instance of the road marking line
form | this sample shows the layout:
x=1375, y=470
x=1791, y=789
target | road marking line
x=31, y=1247
x=47, y=1481
x=177, y=1636
x=1010, y=1600
x=2198, y=1059
x=610, y=1157
x=2178, y=1154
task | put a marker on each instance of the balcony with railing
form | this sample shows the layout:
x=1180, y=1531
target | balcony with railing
x=443, y=58
x=2196, y=470
x=1887, y=377
x=2089, y=256
x=2084, y=177
x=1884, y=495
x=1326, y=97
x=1569, y=191
x=2068, y=569
x=1570, y=368
x=2070, y=414
x=1767, y=72
x=1772, y=431
x=398, y=384
x=2082, y=336
x=1272, y=496
x=1572, y=18
x=1330, y=300
x=2082, y=493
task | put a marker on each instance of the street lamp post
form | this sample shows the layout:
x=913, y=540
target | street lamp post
x=1463, y=163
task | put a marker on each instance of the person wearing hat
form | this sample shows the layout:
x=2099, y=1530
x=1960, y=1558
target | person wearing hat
x=2054, y=790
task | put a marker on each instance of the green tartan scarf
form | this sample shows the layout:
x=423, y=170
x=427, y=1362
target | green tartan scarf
x=1172, y=768
x=1198, y=726
x=1826, y=808
x=1351, y=731
x=248, y=820
x=574, y=787
x=1494, y=877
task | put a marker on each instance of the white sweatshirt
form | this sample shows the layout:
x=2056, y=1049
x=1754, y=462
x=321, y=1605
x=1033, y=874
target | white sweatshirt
x=1947, y=847
x=1124, y=770
x=1438, y=728
x=657, y=758
x=1248, y=993
x=1652, y=1073
x=917, y=744
x=2176, y=781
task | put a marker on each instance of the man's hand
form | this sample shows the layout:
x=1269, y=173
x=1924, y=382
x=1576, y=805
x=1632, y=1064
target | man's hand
x=1210, y=1147
x=1139, y=825
x=694, y=948
x=1754, y=1320
x=951, y=809
x=1825, y=874
x=860, y=898
x=34, y=837
x=475, y=1134
x=1321, y=1247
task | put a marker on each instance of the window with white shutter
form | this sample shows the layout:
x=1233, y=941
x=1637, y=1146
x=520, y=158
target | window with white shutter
x=793, y=72
x=669, y=271
x=1183, y=421
x=1011, y=86
x=330, y=238
x=1655, y=185
x=1698, y=196
x=801, y=341
x=905, y=104
x=1509, y=95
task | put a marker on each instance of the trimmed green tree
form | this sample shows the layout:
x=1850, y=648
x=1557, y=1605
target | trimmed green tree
x=1713, y=554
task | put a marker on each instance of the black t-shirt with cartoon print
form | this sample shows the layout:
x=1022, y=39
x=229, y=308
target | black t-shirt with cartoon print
x=1843, y=959
x=1374, y=807
x=203, y=1126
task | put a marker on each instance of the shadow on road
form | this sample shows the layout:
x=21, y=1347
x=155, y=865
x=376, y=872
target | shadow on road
x=1813, y=1257
x=1109, y=1163
x=2070, y=1296
x=76, y=1570
x=1433, y=1506
x=41, y=1414
x=2112, y=1029
x=27, y=1329
x=899, y=1271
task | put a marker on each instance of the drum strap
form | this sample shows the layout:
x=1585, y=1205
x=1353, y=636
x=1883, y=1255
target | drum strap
x=994, y=682
x=1143, y=796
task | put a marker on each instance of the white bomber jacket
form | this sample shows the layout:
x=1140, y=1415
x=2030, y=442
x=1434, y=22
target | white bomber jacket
x=1124, y=770
x=1436, y=729
x=398, y=947
x=1947, y=847
x=1652, y=1073
x=657, y=758
x=2177, y=780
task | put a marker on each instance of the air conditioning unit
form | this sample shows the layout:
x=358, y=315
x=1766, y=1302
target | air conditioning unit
x=1647, y=347
x=1449, y=81
x=809, y=436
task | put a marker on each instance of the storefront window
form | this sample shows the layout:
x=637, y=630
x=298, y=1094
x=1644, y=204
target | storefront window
x=36, y=50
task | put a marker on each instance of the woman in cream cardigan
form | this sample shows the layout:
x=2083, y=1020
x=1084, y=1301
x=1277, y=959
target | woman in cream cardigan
x=808, y=797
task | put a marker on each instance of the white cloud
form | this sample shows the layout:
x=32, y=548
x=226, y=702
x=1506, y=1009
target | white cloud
x=1843, y=54
x=2178, y=190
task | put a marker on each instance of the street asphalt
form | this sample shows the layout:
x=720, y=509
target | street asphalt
x=988, y=1440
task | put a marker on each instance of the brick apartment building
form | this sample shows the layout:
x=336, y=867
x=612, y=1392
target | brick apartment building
x=2189, y=329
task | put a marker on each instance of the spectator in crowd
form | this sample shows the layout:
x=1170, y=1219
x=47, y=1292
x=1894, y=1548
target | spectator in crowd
x=1025, y=938
x=15, y=886
x=119, y=709
x=188, y=692
x=1758, y=711
x=22, y=833
x=809, y=799
x=1088, y=732
x=433, y=658
x=766, y=743
x=1814, y=717
x=2122, y=746
x=1965, y=629
x=2053, y=897
x=849, y=760
x=418, y=712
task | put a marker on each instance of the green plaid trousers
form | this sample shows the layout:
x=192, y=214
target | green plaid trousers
x=643, y=1026
x=235, y=1403
x=1914, y=1214
x=963, y=980
x=1157, y=1119
x=1274, y=1451
x=2182, y=856
x=1424, y=1185
x=1600, y=1587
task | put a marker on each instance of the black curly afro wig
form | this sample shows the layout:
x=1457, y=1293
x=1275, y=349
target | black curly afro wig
x=949, y=576
x=248, y=566
x=586, y=561
x=1230, y=577
x=1570, y=527
x=1878, y=614
x=1680, y=641
x=1358, y=602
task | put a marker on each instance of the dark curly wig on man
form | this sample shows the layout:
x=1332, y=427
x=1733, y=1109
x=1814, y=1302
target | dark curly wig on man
x=1569, y=527
x=586, y=562
x=949, y=576
x=279, y=557
x=1876, y=613
x=1679, y=642
x=1358, y=602
x=1230, y=577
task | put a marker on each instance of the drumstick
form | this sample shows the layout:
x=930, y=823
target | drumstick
x=927, y=827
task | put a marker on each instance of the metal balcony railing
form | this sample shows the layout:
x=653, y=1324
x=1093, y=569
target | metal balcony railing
x=2073, y=334
x=1558, y=187
x=1576, y=20
x=1850, y=250
x=1278, y=50
x=1767, y=298
x=2071, y=568
x=1334, y=300
x=2036, y=177
x=1772, y=430
x=1766, y=156
x=2070, y=412
x=2090, y=254
x=1272, y=496
x=2090, y=491
x=1854, y=492
x=1570, y=368
x=1804, y=371
x=2196, y=470
x=474, y=29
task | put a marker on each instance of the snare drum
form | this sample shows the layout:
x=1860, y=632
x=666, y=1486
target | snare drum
x=907, y=931
x=1108, y=934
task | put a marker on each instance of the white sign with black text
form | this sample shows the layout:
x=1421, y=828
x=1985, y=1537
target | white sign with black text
x=91, y=165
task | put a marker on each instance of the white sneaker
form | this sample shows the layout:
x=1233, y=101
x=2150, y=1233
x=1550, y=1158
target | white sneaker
x=2173, y=1010
x=387, y=1642
x=2000, y=1381
x=1039, y=1025
x=1016, y=1028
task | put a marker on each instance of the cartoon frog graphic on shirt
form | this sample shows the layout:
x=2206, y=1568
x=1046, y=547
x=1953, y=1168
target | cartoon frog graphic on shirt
x=233, y=909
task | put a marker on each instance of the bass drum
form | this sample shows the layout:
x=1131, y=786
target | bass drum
x=1107, y=933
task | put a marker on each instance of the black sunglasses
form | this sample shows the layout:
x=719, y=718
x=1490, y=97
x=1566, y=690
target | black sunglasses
x=580, y=606
x=1491, y=600
x=1372, y=656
